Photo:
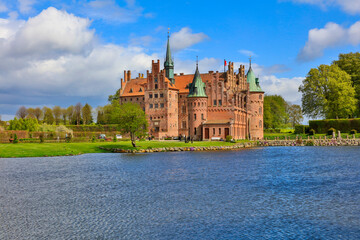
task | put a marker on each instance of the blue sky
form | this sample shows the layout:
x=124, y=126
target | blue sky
x=61, y=53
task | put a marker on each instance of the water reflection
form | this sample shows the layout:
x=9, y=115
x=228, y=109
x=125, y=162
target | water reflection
x=266, y=193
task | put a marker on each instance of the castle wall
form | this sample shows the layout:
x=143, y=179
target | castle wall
x=256, y=115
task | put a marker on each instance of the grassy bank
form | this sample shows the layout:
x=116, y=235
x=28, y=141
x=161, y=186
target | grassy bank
x=62, y=149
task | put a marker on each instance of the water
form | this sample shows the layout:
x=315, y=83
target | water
x=265, y=193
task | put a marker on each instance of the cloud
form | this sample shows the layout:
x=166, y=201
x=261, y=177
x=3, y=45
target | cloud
x=25, y=6
x=185, y=38
x=141, y=41
x=332, y=35
x=52, y=32
x=247, y=53
x=286, y=87
x=56, y=59
x=111, y=12
x=348, y=6
x=3, y=7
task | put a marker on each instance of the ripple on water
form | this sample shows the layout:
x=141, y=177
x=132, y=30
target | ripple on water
x=265, y=193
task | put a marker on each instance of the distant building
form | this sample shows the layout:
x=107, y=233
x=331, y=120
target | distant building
x=202, y=105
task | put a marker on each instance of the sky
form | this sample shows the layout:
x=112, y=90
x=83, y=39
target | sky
x=70, y=51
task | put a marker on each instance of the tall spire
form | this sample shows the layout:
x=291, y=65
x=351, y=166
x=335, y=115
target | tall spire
x=169, y=63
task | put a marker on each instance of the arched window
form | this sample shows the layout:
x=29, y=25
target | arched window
x=260, y=124
x=260, y=110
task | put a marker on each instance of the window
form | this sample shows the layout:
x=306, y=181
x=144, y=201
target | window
x=213, y=131
x=150, y=106
x=150, y=95
x=198, y=104
x=260, y=96
x=140, y=90
x=194, y=131
x=156, y=86
x=260, y=124
x=137, y=99
x=156, y=80
x=219, y=131
x=220, y=102
x=156, y=95
x=130, y=90
x=260, y=110
x=214, y=102
x=161, y=105
x=130, y=99
x=183, y=124
x=150, y=118
x=183, y=109
x=202, y=117
x=161, y=95
x=156, y=105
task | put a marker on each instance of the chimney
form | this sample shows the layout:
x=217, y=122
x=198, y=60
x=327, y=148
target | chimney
x=129, y=75
x=181, y=74
x=125, y=76
x=175, y=74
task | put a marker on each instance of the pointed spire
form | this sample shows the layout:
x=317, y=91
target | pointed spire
x=250, y=62
x=197, y=87
x=169, y=63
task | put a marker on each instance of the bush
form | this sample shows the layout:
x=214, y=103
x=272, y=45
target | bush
x=301, y=129
x=311, y=132
x=343, y=125
x=168, y=138
x=114, y=138
x=68, y=138
x=41, y=137
x=93, y=139
x=353, y=131
x=309, y=143
x=228, y=138
x=16, y=140
x=331, y=131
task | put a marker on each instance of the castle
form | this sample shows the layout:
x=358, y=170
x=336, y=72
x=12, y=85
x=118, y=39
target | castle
x=203, y=106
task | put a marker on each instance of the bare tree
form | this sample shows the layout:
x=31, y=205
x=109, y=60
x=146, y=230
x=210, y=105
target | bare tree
x=21, y=112
x=64, y=115
x=57, y=114
x=38, y=113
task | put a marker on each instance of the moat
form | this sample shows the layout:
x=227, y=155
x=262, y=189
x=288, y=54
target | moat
x=260, y=193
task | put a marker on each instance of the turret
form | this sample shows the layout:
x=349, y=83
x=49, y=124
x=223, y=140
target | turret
x=169, y=63
x=197, y=106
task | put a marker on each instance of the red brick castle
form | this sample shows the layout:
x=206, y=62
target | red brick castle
x=203, y=106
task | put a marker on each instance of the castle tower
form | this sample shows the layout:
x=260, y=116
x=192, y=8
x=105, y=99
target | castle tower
x=169, y=63
x=197, y=106
x=255, y=106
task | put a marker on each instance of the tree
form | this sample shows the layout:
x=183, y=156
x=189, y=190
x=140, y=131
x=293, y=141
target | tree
x=31, y=113
x=131, y=119
x=275, y=115
x=350, y=63
x=48, y=115
x=327, y=91
x=86, y=114
x=57, y=114
x=295, y=114
x=38, y=113
x=77, y=113
x=100, y=116
x=114, y=97
x=64, y=115
x=70, y=114
x=21, y=112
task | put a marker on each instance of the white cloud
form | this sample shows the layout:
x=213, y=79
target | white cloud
x=248, y=53
x=332, y=35
x=111, y=12
x=3, y=7
x=185, y=38
x=286, y=87
x=349, y=6
x=52, y=32
x=25, y=6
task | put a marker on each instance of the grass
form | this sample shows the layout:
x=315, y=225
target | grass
x=272, y=136
x=62, y=149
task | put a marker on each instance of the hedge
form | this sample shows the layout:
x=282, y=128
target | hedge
x=301, y=129
x=342, y=125
x=94, y=128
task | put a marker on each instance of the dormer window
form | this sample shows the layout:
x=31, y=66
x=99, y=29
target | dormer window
x=130, y=90
x=140, y=90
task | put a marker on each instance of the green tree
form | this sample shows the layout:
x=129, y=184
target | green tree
x=57, y=114
x=48, y=115
x=77, y=113
x=64, y=115
x=86, y=114
x=38, y=113
x=295, y=114
x=115, y=97
x=70, y=114
x=275, y=115
x=131, y=119
x=327, y=91
x=350, y=63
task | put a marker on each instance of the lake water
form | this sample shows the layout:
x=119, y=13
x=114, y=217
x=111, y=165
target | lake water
x=264, y=193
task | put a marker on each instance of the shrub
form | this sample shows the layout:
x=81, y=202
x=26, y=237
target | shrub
x=331, y=131
x=299, y=141
x=311, y=132
x=353, y=131
x=228, y=138
x=309, y=143
x=114, y=138
x=301, y=129
x=68, y=138
x=168, y=138
x=93, y=139
x=16, y=140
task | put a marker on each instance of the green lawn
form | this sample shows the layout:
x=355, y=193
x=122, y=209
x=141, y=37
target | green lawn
x=61, y=149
